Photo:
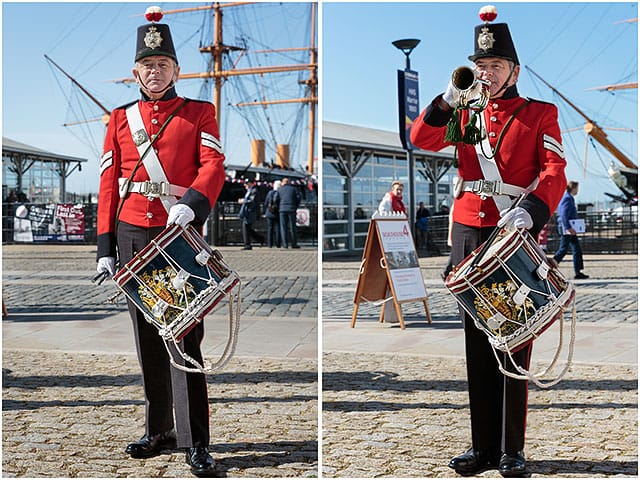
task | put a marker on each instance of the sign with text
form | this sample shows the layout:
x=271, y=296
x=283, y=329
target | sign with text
x=52, y=222
x=390, y=267
x=408, y=105
x=401, y=259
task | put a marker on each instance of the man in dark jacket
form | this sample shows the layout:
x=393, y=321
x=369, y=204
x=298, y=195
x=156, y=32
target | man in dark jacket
x=567, y=211
x=249, y=214
x=272, y=214
x=289, y=202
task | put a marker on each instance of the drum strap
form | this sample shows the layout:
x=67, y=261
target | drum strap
x=488, y=165
x=147, y=154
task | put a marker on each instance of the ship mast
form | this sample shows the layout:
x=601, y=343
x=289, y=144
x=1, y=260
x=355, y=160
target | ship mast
x=592, y=128
x=218, y=49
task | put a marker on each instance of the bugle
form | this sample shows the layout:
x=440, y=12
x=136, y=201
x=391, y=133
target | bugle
x=473, y=91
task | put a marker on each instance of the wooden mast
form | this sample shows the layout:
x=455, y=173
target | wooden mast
x=592, y=128
x=218, y=48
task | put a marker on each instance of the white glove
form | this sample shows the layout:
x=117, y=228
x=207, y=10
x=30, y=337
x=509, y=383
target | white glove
x=106, y=264
x=452, y=95
x=180, y=214
x=514, y=219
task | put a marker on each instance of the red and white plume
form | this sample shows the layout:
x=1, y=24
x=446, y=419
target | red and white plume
x=153, y=14
x=488, y=13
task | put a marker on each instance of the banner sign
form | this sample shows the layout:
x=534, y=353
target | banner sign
x=408, y=105
x=53, y=222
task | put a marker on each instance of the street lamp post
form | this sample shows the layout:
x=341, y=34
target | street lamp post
x=408, y=107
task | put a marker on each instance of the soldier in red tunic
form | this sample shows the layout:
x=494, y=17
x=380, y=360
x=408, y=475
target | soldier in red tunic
x=519, y=152
x=162, y=164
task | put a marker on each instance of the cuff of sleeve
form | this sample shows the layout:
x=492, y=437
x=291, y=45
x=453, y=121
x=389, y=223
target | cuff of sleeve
x=436, y=116
x=198, y=203
x=539, y=212
x=106, y=245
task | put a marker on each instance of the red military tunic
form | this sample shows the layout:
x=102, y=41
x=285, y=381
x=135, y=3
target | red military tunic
x=188, y=150
x=530, y=148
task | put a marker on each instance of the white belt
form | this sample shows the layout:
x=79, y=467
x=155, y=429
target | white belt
x=150, y=189
x=489, y=188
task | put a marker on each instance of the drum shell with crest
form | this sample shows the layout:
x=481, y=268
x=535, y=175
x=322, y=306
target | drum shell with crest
x=176, y=280
x=513, y=293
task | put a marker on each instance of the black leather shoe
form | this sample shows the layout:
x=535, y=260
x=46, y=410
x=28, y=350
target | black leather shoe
x=201, y=463
x=512, y=465
x=581, y=276
x=150, y=446
x=473, y=462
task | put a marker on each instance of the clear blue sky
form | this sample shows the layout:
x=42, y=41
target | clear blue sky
x=573, y=46
x=95, y=43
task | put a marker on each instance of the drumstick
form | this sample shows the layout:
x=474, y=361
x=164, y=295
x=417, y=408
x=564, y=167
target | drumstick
x=486, y=245
x=100, y=277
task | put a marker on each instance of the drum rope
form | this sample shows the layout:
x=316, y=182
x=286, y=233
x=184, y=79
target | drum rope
x=229, y=350
x=536, y=378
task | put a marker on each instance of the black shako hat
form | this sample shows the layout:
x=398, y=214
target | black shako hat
x=492, y=39
x=154, y=38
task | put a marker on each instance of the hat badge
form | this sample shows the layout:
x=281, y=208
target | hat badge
x=152, y=38
x=487, y=14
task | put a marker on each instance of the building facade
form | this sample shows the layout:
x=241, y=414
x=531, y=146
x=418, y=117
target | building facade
x=34, y=175
x=358, y=166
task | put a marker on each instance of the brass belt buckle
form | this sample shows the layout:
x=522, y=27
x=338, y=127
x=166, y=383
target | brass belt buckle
x=152, y=189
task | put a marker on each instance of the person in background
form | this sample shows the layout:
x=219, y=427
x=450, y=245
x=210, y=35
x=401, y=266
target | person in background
x=517, y=152
x=392, y=200
x=422, y=225
x=290, y=199
x=568, y=238
x=248, y=214
x=272, y=214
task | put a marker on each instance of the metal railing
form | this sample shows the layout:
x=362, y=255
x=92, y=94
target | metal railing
x=223, y=227
x=606, y=232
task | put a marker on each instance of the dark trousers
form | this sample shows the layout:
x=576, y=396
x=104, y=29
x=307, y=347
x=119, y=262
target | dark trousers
x=273, y=232
x=288, y=233
x=498, y=404
x=567, y=241
x=248, y=233
x=168, y=391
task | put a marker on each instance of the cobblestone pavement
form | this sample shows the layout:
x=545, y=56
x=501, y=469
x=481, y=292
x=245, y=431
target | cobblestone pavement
x=56, y=278
x=71, y=415
x=610, y=294
x=67, y=413
x=402, y=416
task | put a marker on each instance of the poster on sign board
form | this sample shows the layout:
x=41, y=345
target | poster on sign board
x=401, y=259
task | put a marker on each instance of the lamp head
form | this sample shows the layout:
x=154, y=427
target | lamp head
x=406, y=44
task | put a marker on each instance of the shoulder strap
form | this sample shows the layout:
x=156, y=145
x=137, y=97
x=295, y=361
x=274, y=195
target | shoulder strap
x=147, y=154
x=488, y=165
